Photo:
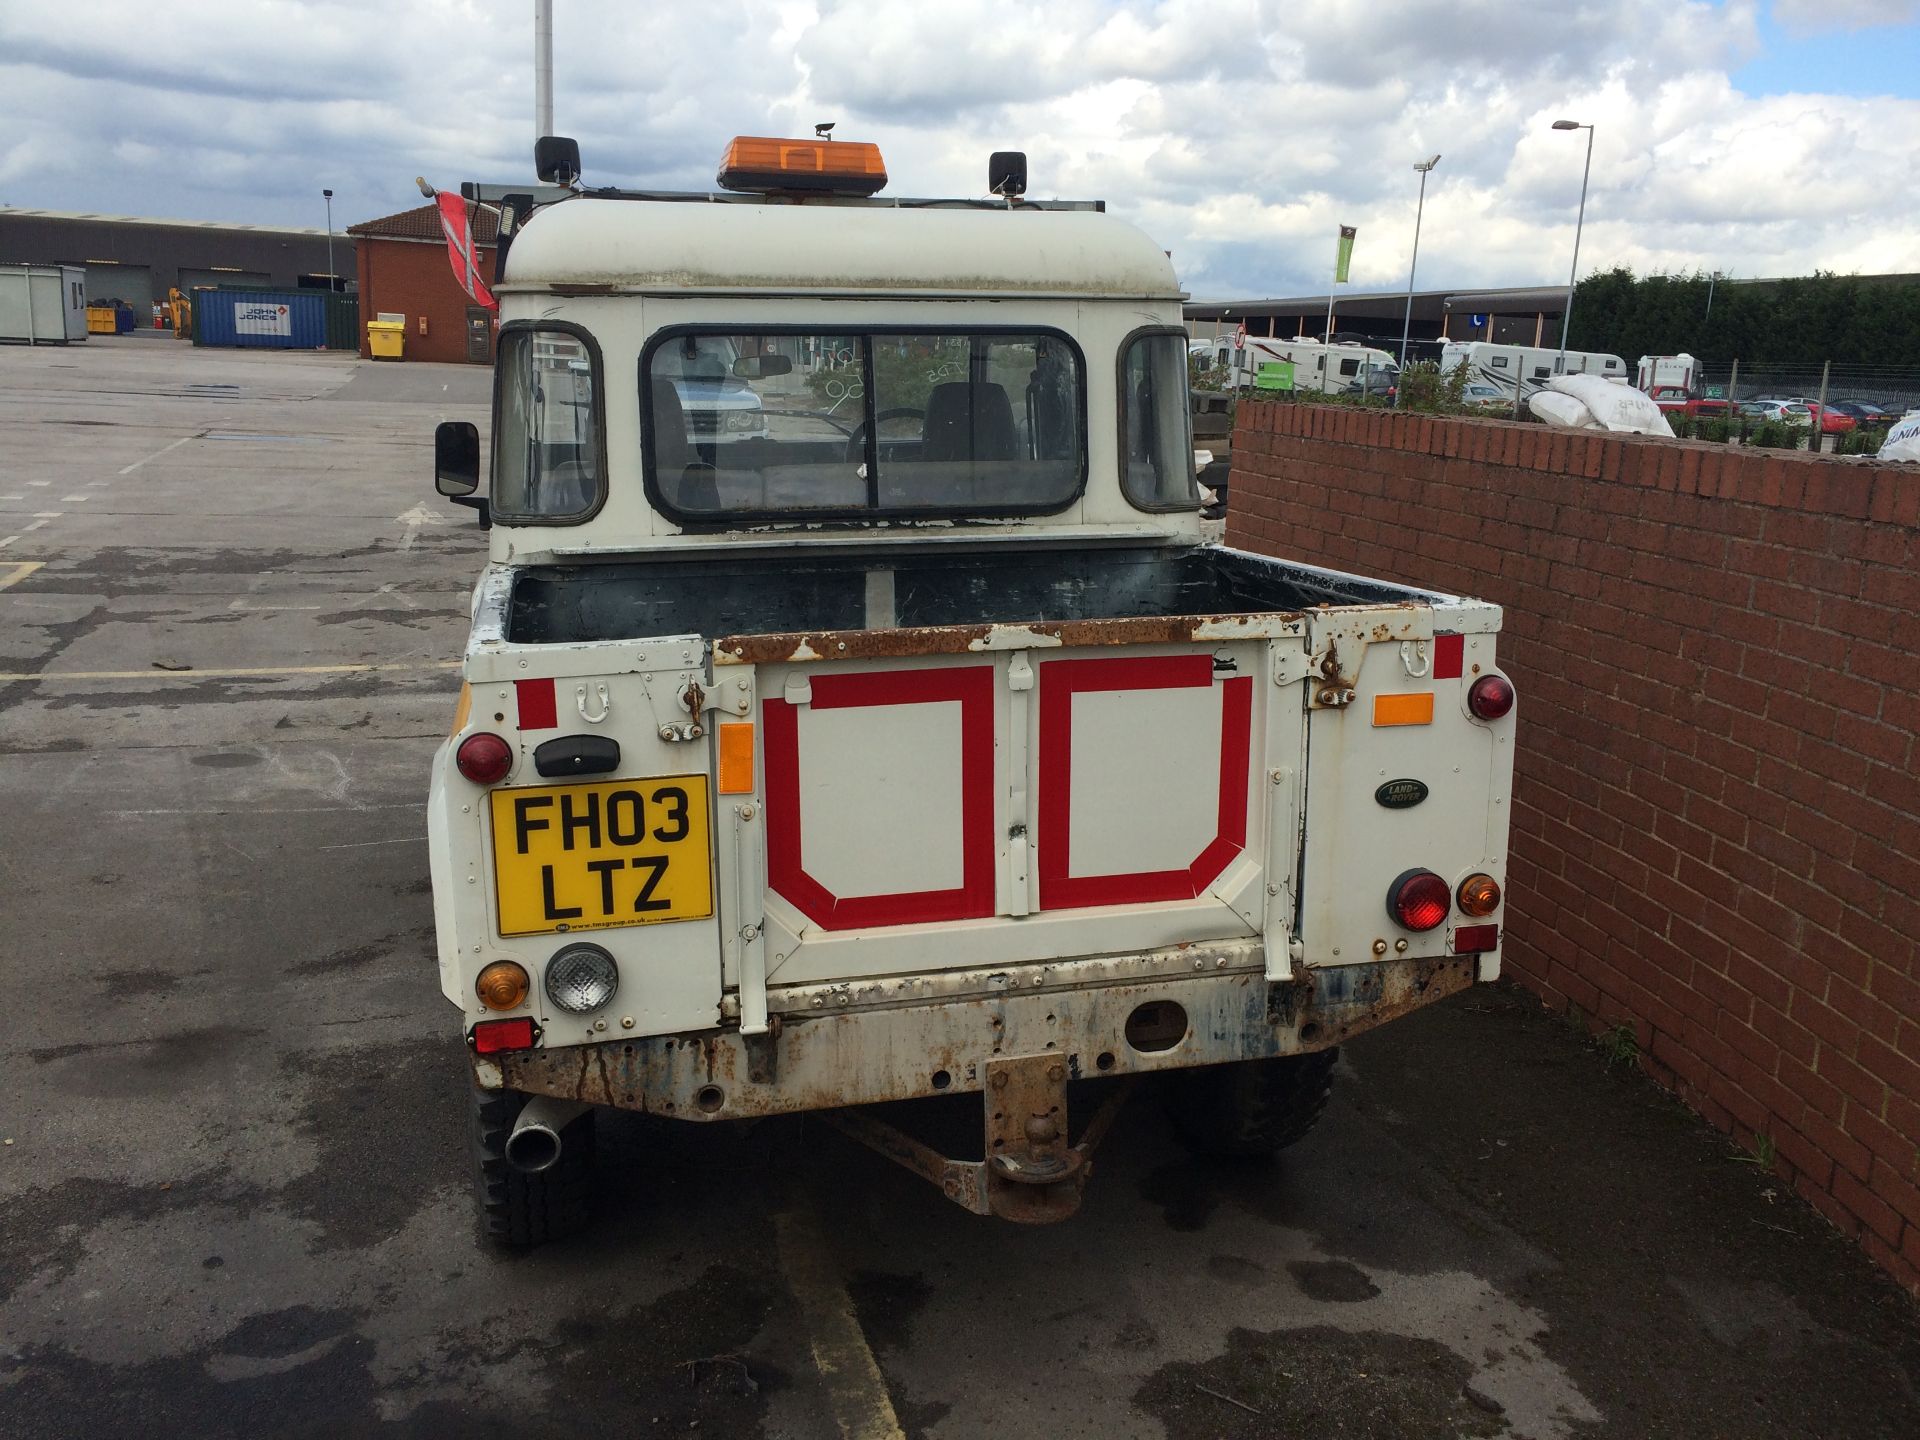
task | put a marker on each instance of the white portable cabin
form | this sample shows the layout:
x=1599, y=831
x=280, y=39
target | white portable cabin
x=1505, y=366
x=43, y=304
x=1317, y=367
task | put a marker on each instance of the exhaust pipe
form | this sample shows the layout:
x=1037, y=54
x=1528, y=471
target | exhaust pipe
x=533, y=1144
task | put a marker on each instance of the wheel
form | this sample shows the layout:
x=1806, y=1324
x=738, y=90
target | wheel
x=1251, y=1109
x=521, y=1210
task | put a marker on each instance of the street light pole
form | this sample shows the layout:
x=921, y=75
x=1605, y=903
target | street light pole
x=1406, y=326
x=330, y=275
x=1566, y=319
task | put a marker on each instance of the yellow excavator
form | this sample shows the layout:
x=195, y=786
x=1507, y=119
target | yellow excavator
x=181, y=308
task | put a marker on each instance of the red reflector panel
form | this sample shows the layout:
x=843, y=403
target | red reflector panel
x=1449, y=656
x=492, y=1036
x=537, y=708
x=1475, y=939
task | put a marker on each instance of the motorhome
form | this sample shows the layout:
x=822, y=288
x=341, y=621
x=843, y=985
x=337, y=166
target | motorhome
x=1318, y=368
x=1507, y=366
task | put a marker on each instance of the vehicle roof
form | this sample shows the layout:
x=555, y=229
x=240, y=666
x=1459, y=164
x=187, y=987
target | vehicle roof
x=611, y=246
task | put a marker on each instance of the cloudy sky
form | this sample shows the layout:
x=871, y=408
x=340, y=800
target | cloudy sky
x=1754, y=137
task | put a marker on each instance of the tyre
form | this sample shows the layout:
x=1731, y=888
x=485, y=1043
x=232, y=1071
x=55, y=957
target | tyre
x=521, y=1210
x=1251, y=1109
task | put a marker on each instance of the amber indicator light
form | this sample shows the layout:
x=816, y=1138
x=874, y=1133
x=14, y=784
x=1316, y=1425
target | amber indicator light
x=503, y=985
x=1478, y=895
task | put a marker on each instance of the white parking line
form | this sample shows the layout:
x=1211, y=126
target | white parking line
x=42, y=483
x=856, y=1391
x=229, y=672
x=157, y=454
x=74, y=499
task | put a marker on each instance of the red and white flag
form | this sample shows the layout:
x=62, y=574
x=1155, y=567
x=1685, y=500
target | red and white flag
x=461, y=250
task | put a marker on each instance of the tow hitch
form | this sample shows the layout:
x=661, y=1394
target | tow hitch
x=1031, y=1174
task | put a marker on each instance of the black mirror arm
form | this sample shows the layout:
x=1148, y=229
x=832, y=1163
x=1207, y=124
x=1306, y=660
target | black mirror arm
x=479, y=503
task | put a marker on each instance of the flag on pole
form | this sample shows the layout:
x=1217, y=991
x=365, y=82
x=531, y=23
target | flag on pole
x=1343, y=254
x=461, y=251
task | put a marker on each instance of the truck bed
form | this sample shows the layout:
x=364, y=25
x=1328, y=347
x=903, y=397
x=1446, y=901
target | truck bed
x=771, y=595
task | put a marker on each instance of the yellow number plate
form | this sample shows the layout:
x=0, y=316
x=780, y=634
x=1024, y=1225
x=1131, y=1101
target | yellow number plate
x=591, y=857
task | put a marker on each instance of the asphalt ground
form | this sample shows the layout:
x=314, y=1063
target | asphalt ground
x=233, y=1191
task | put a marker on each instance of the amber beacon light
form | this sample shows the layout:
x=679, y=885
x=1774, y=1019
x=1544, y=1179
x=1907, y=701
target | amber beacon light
x=831, y=167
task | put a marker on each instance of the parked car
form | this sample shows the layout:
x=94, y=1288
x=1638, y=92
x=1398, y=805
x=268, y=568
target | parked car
x=1786, y=412
x=1866, y=413
x=1487, y=397
x=712, y=762
x=1672, y=399
x=1834, y=420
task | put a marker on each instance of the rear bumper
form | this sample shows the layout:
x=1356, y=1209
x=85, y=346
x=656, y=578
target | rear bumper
x=1223, y=1010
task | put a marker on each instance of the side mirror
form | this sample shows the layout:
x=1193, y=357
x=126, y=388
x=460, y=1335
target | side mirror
x=556, y=159
x=761, y=367
x=1007, y=173
x=456, y=457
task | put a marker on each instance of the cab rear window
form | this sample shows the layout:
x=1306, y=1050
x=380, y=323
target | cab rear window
x=1156, y=444
x=773, y=424
x=548, y=448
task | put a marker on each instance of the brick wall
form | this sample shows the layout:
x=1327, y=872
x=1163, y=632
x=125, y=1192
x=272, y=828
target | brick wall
x=413, y=278
x=1716, y=812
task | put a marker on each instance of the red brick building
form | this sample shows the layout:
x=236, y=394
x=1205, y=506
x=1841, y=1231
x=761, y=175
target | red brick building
x=404, y=271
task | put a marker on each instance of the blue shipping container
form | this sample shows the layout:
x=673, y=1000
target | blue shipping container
x=262, y=319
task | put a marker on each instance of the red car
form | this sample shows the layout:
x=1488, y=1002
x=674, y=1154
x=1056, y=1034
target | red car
x=1832, y=421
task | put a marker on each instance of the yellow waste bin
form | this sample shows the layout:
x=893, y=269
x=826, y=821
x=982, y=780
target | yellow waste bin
x=101, y=320
x=386, y=338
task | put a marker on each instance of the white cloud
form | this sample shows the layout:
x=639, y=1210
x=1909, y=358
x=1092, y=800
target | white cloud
x=1814, y=17
x=1239, y=133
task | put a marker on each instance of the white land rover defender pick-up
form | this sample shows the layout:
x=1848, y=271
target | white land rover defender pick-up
x=853, y=712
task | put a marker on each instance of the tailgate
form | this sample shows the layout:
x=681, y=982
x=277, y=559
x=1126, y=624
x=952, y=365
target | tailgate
x=1005, y=795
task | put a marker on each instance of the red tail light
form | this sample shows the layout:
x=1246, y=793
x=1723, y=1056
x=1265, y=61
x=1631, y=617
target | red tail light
x=1419, y=900
x=484, y=759
x=1491, y=697
x=490, y=1037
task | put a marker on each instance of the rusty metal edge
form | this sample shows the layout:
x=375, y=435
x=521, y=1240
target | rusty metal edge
x=911, y=640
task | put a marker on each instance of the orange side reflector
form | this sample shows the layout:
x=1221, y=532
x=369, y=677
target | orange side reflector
x=736, y=759
x=462, y=709
x=837, y=167
x=1403, y=709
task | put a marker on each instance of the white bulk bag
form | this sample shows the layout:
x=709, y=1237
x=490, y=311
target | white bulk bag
x=1616, y=406
x=1903, y=440
x=1562, y=410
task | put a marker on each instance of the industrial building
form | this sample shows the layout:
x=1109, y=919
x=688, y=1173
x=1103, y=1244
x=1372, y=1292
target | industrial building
x=138, y=260
x=1506, y=317
x=405, y=272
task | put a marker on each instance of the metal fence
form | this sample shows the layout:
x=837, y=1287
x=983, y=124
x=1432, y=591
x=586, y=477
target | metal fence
x=1892, y=387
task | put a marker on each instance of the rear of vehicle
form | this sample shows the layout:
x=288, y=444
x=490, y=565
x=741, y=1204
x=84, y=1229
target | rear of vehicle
x=914, y=745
